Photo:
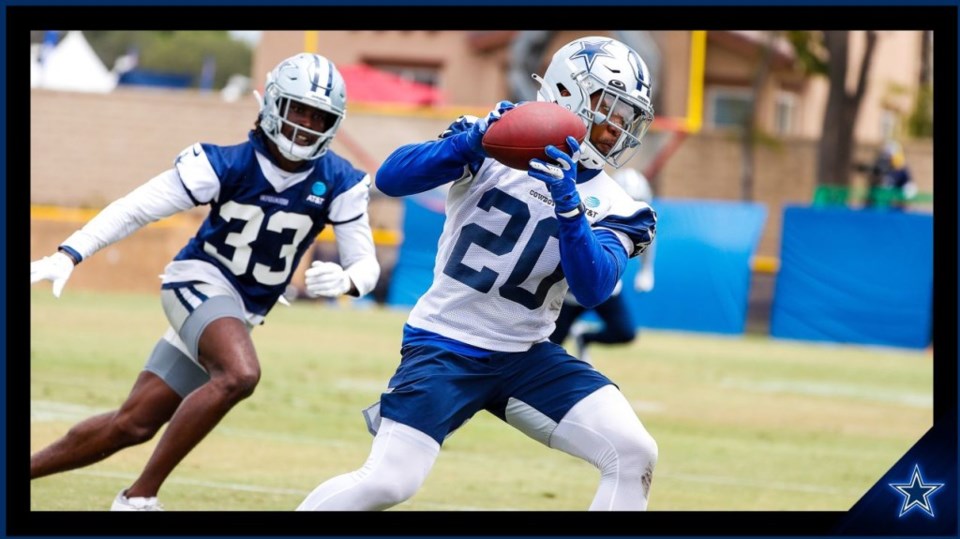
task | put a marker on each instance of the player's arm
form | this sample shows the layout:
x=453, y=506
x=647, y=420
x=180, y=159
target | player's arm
x=458, y=153
x=593, y=260
x=161, y=197
x=359, y=270
x=170, y=192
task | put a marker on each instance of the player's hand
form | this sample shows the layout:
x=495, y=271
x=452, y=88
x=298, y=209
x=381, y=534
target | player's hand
x=480, y=126
x=643, y=281
x=56, y=267
x=561, y=178
x=327, y=279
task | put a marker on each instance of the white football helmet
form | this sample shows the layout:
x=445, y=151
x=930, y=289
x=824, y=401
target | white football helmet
x=601, y=64
x=314, y=81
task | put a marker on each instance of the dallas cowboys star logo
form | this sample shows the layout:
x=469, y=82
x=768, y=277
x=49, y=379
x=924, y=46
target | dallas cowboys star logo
x=589, y=50
x=916, y=493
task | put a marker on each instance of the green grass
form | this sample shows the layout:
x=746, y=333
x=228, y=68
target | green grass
x=798, y=426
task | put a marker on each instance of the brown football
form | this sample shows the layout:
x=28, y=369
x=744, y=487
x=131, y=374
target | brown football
x=523, y=132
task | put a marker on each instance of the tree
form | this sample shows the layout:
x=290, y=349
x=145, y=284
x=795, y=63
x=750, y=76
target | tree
x=170, y=51
x=749, y=133
x=835, y=149
x=827, y=53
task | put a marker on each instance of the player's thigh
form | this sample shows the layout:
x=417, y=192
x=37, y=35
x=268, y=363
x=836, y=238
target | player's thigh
x=616, y=316
x=209, y=325
x=543, y=384
x=171, y=365
x=435, y=391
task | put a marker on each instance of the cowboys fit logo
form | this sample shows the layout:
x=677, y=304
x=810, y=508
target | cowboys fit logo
x=916, y=493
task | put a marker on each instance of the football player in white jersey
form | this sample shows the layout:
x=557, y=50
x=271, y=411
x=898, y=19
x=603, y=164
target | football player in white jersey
x=617, y=323
x=512, y=243
x=269, y=197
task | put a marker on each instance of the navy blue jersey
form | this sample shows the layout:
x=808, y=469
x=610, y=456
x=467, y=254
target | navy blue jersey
x=262, y=219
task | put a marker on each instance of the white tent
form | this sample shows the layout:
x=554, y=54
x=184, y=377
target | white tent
x=73, y=66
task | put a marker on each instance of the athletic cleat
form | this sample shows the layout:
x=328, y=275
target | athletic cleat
x=122, y=503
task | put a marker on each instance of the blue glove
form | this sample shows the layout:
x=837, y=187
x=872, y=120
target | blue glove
x=561, y=179
x=480, y=126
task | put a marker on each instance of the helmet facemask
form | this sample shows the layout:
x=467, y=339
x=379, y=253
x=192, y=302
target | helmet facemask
x=291, y=148
x=607, y=84
x=618, y=111
x=307, y=80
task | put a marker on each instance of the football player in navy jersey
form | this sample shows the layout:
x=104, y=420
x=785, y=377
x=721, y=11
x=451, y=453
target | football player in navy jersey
x=269, y=197
x=514, y=241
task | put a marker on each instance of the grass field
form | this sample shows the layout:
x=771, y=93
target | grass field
x=742, y=423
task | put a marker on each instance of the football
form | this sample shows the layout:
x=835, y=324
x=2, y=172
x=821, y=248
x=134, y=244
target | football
x=523, y=132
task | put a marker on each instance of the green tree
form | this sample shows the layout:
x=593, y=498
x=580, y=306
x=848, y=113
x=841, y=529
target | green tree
x=826, y=53
x=176, y=51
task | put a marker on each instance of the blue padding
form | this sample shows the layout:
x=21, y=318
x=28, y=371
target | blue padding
x=701, y=267
x=422, y=223
x=855, y=276
x=702, y=263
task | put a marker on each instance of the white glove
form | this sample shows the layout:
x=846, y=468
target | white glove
x=644, y=281
x=326, y=279
x=56, y=267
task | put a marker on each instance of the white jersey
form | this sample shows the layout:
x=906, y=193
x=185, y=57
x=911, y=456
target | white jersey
x=497, y=281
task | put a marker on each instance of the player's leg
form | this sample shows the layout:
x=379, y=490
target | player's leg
x=618, y=325
x=567, y=405
x=399, y=461
x=211, y=323
x=569, y=312
x=149, y=405
x=604, y=430
x=434, y=392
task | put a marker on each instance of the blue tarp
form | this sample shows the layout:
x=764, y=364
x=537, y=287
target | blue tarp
x=855, y=276
x=422, y=223
x=702, y=263
x=143, y=77
x=702, y=266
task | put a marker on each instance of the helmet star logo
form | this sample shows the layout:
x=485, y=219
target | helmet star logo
x=916, y=493
x=590, y=50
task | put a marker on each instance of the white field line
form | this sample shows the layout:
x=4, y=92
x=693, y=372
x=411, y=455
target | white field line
x=827, y=389
x=752, y=483
x=41, y=410
x=272, y=490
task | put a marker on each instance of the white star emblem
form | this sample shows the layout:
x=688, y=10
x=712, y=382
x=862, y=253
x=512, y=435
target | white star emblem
x=916, y=493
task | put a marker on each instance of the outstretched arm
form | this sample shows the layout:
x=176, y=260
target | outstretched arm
x=160, y=197
x=419, y=167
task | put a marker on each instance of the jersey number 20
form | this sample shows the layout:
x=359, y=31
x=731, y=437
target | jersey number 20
x=483, y=280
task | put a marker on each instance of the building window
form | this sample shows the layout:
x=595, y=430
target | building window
x=785, y=107
x=728, y=107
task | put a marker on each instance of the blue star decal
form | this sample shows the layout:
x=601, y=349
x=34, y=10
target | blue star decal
x=916, y=493
x=590, y=50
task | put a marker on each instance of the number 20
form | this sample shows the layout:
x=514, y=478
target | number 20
x=483, y=280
